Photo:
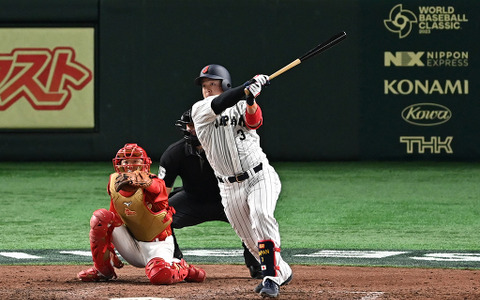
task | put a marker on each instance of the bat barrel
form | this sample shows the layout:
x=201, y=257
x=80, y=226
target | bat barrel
x=319, y=48
x=325, y=45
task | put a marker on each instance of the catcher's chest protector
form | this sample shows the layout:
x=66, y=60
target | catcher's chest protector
x=144, y=224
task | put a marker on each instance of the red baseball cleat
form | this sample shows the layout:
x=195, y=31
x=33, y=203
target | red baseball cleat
x=93, y=274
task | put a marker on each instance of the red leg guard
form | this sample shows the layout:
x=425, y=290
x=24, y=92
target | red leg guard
x=117, y=263
x=159, y=271
x=195, y=274
x=102, y=224
x=92, y=274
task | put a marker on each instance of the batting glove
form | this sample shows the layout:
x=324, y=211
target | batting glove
x=262, y=79
x=255, y=89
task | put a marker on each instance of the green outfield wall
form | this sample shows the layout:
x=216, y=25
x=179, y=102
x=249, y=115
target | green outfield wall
x=78, y=79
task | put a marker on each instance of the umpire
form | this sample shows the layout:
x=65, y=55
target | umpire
x=198, y=200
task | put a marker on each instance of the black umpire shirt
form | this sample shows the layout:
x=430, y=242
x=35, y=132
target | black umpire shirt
x=181, y=159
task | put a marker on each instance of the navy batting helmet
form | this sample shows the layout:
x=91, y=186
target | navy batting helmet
x=215, y=72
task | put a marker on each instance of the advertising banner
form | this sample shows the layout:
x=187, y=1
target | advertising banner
x=46, y=78
x=420, y=84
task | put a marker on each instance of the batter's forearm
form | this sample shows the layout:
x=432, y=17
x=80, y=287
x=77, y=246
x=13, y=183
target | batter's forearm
x=228, y=99
x=253, y=116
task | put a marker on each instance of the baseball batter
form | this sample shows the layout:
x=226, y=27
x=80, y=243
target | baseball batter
x=137, y=225
x=198, y=200
x=226, y=126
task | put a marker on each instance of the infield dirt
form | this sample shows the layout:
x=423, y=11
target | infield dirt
x=233, y=282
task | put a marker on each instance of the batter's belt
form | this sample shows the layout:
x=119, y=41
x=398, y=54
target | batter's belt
x=242, y=176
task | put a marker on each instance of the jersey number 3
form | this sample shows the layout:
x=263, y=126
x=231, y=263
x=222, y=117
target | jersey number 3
x=242, y=134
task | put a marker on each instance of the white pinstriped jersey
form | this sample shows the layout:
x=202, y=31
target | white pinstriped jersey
x=231, y=147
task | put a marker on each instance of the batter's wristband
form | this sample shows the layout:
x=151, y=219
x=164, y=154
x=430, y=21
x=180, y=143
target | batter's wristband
x=254, y=118
x=250, y=100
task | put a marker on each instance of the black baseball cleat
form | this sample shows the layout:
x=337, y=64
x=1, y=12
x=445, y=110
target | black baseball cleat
x=255, y=272
x=260, y=285
x=270, y=289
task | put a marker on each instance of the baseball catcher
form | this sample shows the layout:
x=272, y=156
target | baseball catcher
x=137, y=225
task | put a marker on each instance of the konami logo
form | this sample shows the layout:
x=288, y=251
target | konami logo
x=44, y=77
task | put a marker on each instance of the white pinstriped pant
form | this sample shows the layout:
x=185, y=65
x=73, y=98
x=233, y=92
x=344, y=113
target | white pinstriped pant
x=250, y=207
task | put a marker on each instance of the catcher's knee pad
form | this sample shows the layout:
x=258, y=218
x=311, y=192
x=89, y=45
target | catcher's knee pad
x=266, y=250
x=159, y=271
x=101, y=227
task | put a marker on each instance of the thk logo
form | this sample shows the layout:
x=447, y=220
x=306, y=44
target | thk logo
x=435, y=145
x=45, y=78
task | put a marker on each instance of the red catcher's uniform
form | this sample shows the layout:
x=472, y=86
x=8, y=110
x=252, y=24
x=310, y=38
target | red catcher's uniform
x=143, y=212
x=137, y=226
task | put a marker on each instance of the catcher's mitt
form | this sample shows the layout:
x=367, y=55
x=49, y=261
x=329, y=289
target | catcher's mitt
x=132, y=181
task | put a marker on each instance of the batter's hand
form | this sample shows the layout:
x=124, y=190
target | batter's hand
x=262, y=79
x=255, y=89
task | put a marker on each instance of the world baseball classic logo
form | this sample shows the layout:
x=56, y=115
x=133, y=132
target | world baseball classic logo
x=400, y=21
x=43, y=77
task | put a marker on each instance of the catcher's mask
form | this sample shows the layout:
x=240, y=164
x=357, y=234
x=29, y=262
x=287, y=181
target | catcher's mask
x=215, y=72
x=130, y=158
x=185, y=119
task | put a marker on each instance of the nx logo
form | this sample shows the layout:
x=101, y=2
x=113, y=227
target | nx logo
x=400, y=21
x=403, y=59
x=435, y=145
x=45, y=78
x=425, y=59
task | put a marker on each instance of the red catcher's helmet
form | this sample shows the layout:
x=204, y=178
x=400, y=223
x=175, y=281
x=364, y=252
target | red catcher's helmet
x=129, y=153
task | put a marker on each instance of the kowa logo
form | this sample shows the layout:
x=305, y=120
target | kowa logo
x=45, y=78
x=426, y=114
x=428, y=18
x=425, y=59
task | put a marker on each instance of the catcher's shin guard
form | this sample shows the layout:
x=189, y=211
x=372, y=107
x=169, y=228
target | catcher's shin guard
x=266, y=250
x=92, y=274
x=195, y=274
x=159, y=271
x=102, y=224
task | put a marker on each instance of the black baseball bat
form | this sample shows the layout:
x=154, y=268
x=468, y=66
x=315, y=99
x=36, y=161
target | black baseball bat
x=337, y=38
